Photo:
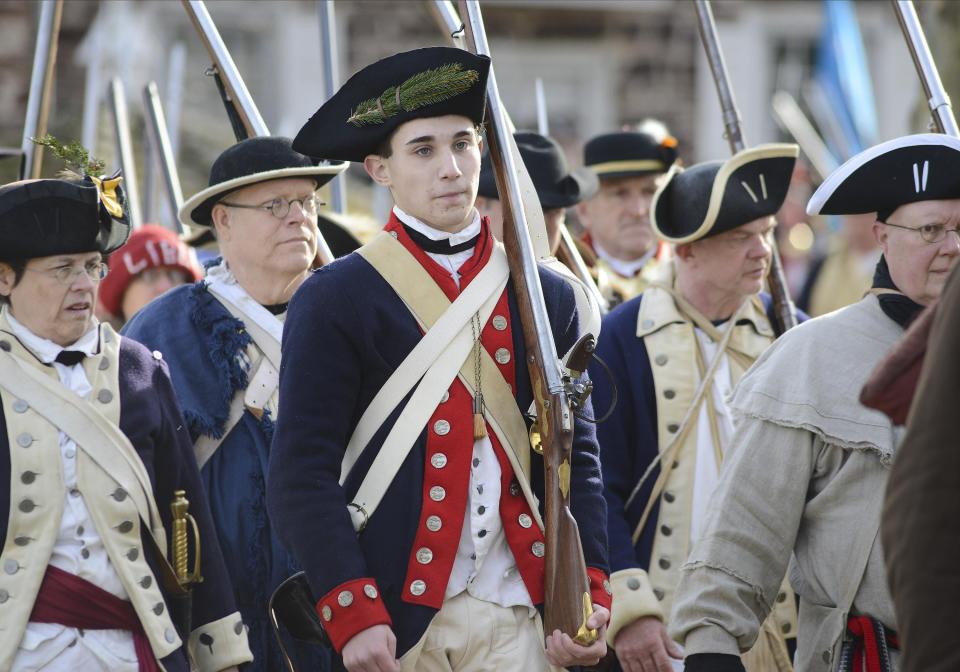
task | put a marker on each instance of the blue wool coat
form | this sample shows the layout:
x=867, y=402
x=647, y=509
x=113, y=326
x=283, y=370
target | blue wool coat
x=345, y=333
x=151, y=419
x=203, y=343
x=628, y=439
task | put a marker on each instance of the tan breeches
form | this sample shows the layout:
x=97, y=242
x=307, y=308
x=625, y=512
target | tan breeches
x=470, y=635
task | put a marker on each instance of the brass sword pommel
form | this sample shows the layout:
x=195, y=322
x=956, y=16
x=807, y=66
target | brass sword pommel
x=179, y=545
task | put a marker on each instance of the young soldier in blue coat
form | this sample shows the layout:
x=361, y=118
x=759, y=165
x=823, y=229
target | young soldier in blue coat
x=221, y=338
x=93, y=448
x=401, y=475
x=710, y=323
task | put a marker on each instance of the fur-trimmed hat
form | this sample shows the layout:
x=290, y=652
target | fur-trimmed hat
x=713, y=197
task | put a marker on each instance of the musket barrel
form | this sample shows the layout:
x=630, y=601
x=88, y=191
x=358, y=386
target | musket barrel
x=121, y=127
x=237, y=89
x=160, y=139
x=448, y=19
x=41, y=84
x=331, y=82
x=937, y=98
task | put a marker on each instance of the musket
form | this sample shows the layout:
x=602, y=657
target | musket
x=41, y=85
x=160, y=141
x=121, y=128
x=567, y=251
x=795, y=122
x=567, y=604
x=784, y=310
x=331, y=82
x=937, y=98
x=241, y=109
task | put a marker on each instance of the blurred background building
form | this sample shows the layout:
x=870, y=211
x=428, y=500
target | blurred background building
x=604, y=64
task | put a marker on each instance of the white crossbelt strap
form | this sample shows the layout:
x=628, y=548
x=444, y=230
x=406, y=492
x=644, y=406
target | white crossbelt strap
x=92, y=432
x=439, y=361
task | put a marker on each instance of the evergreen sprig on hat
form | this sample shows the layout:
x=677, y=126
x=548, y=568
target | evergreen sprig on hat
x=422, y=89
x=77, y=160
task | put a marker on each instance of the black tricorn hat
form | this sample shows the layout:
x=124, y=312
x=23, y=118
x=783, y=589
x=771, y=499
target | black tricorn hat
x=713, y=197
x=922, y=167
x=556, y=186
x=629, y=154
x=252, y=161
x=431, y=82
x=41, y=218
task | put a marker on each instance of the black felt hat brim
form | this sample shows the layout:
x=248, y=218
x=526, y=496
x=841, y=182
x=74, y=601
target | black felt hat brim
x=196, y=211
x=710, y=198
x=912, y=168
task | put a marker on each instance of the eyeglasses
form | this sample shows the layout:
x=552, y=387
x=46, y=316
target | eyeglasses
x=931, y=233
x=65, y=275
x=280, y=207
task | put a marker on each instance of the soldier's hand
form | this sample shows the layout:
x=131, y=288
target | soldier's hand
x=645, y=646
x=372, y=650
x=562, y=651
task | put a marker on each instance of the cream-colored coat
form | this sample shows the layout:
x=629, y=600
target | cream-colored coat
x=807, y=459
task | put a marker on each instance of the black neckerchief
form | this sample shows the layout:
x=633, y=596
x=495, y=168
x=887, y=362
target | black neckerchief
x=70, y=357
x=277, y=308
x=897, y=307
x=439, y=246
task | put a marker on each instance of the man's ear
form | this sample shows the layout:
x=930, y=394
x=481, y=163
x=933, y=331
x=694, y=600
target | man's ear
x=880, y=234
x=582, y=215
x=377, y=168
x=221, y=222
x=7, y=279
x=685, y=251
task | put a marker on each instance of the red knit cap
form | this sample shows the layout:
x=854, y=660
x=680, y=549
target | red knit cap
x=150, y=246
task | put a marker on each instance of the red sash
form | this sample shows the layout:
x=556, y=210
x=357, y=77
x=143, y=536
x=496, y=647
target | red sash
x=68, y=600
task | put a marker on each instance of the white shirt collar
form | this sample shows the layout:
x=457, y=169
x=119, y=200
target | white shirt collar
x=462, y=236
x=627, y=269
x=46, y=350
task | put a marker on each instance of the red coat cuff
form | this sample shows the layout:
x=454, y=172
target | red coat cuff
x=351, y=607
x=600, y=591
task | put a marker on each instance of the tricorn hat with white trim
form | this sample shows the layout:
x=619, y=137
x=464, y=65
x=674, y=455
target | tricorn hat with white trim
x=921, y=167
x=252, y=161
x=716, y=196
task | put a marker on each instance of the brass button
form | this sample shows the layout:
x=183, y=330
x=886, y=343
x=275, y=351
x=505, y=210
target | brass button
x=781, y=597
x=345, y=598
x=633, y=583
x=660, y=360
x=24, y=440
x=441, y=427
x=104, y=396
x=785, y=628
x=418, y=587
x=666, y=530
x=125, y=526
x=133, y=554
x=659, y=594
x=673, y=427
x=499, y=322
x=20, y=406
x=424, y=556
x=664, y=563
x=538, y=549
x=669, y=394
x=669, y=497
x=437, y=493
x=502, y=355
x=11, y=566
x=434, y=523
x=119, y=494
x=327, y=613
x=27, y=506
x=4, y=596
x=515, y=489
x=370, y=591
x=158, y=608
x=525, y=521
x=28, y=477
x=438, y=460
x=146, y=582
x=104, y=364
